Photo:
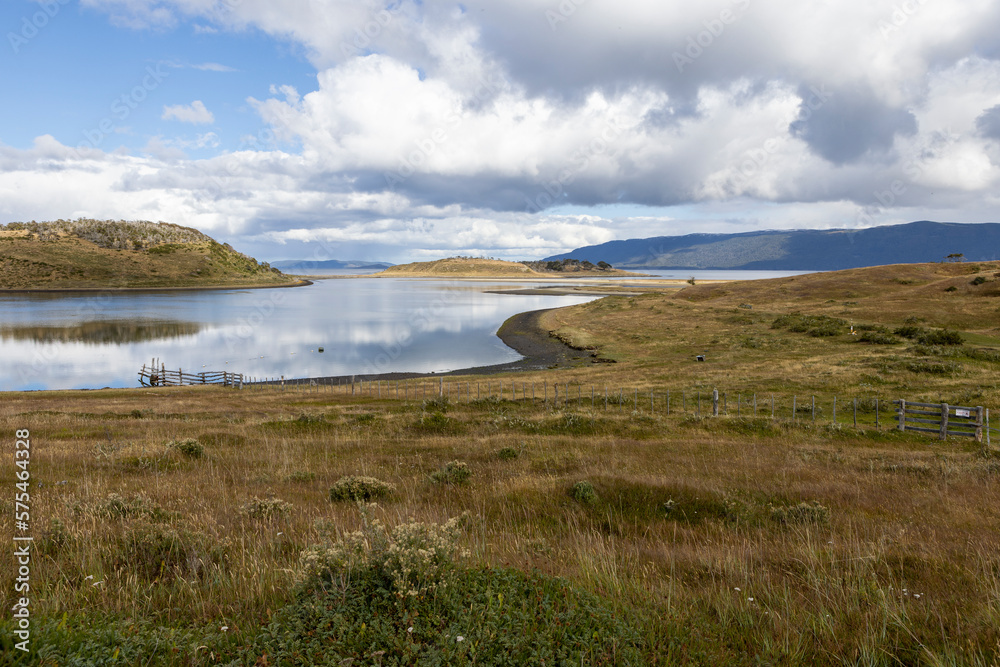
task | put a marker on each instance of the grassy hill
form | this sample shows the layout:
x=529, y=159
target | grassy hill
x=794, y=335
x=92, y=254
x=474, y=267
x=803, y=249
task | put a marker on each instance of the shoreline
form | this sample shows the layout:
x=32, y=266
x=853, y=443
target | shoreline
x=522, y=333
x=302, y=282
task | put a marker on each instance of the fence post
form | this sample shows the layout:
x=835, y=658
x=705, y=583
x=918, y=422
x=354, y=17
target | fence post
x=755, y=404
x=902, y=415
x=555, y=394
x=772, y=406
x=979, y=424
x=834, y=409
x=814, y=408
x=715, y=402
x=944, y=421
x=668, y=402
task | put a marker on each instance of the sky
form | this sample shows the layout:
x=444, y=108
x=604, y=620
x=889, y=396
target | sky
x=519, y=129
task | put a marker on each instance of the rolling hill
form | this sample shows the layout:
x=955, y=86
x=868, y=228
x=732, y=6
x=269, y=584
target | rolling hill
x=806, y=250
x=104, y=254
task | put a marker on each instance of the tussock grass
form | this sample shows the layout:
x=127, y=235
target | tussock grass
x=725, y=540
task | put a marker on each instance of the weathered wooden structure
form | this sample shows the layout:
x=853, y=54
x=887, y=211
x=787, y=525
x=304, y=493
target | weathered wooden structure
x=946, y=419
x=157, y=375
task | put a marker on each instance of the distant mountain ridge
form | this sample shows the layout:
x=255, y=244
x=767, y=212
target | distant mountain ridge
x=803, y=249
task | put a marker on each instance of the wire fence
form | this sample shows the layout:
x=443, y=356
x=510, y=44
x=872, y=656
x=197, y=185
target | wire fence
x=861, y=411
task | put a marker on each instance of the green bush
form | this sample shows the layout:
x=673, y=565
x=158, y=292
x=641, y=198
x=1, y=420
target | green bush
x=404, y=594
x=909, y=331
x=942, y=337
x=877, y=338
x=453, y=472
x=978, y=280
x=440, y=404
x=951, y=289
x=507, y=454
x=190, y=448
x=357, y=488
x=583, y=492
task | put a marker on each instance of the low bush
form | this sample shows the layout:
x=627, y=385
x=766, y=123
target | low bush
x=877, y=338
x=453, y=472
x=583, y=492
x=403, y=594
x=190, y=448
x=265, y=508
x=360, y=488
x=507, y=454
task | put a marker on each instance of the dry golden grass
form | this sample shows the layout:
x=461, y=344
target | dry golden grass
x=901, y=563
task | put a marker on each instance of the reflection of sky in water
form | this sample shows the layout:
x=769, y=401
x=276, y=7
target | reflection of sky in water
x=365, y=326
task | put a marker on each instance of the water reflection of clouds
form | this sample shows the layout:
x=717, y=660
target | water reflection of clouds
x=364, y=325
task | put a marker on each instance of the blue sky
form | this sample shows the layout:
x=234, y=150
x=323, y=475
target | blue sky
x=404, y=130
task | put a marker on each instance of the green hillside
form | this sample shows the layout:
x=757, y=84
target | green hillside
x=99, y=254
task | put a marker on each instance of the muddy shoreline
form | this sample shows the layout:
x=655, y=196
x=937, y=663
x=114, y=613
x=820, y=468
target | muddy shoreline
x=522, y=332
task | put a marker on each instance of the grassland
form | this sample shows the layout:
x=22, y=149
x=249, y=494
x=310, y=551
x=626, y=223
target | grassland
x=179, y=526
x=122, y=255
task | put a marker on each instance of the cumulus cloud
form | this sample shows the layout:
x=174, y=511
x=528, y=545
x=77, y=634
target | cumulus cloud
x=445, y=126
x=195, y=113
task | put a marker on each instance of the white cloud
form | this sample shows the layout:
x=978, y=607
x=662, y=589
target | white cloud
x=214, y=67
x=195, y=113
x=452, y=127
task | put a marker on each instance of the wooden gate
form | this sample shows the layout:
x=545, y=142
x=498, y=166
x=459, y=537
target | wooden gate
x=947, y=419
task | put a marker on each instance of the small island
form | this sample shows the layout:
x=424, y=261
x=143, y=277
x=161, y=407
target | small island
x=104, y=254
x=479, y=267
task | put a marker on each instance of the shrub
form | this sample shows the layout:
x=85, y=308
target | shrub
x=269, y=508
x=584, y=492
x=978, y=280
x=440, y=404
x=453, y=472
x=909, y=331
x=190, y=448
x=943, y=337
x=116, y=506
x=802, y=513
x=360, y=488
x=507, y=454
x=951, y=289
x=877, y=338
x=406, y=592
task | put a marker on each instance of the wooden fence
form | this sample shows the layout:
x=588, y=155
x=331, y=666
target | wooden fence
x=158, y=376
x=947, y=419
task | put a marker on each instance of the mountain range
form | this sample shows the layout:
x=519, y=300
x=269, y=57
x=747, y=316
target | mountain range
x=803, y=249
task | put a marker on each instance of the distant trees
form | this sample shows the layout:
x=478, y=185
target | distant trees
x=955, y=257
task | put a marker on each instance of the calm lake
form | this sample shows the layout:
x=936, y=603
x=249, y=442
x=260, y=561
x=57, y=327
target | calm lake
x=365, y=325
